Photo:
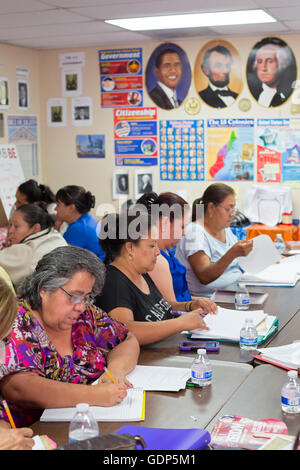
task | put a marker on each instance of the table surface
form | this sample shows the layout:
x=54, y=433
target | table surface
x=258, y=397
x=189, y=408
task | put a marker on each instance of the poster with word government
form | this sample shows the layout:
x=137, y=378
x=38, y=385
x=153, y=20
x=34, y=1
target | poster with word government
x=182, y=150
x=135, y=132
x=230, y=149
x=278, y=150
x=121, y=77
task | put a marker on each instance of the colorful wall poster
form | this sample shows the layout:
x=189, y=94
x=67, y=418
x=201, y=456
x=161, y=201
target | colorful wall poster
x=230, y=149
x=90, y=146
x=182, y=150
x=135, y=133
x=121, y=77
x=278, y=150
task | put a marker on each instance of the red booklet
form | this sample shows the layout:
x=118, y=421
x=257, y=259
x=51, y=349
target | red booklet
x=238, y=431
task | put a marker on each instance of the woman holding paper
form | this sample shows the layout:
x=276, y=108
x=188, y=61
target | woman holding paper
x=10, y=439
x=60, y=343
x=129, y=294
x=209, y=252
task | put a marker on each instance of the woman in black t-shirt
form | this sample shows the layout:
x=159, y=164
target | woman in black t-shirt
x=129, y=294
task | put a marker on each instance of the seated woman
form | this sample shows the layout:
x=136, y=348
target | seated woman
x=10, y=439
x=209, y=254
x=129, y=294
x=73, y=206
x=60, y=343
x=32, y=236
x=168, y=273
x=30, y=192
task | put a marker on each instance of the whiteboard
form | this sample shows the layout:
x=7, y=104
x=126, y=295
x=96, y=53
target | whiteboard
x=11, y=176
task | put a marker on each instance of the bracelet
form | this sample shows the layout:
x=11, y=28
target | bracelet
x=185, y=306
x=188, y=308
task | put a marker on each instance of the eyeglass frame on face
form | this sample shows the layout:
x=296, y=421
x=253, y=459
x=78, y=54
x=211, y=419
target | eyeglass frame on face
x=77, y=299
x=230, y=210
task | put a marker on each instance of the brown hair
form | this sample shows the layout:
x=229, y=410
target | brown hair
x=8, y=308
x=215, y=193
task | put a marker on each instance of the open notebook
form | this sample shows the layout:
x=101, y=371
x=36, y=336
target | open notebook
x=132, y=408
x=227, y=324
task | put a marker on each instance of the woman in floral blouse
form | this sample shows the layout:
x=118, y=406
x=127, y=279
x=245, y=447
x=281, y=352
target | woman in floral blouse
x=59, y=335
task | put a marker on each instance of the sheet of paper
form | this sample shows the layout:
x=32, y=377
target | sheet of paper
x=227, y=323
x=159, y=378
x=255, y=262
x=283, y=273
x=130, y=409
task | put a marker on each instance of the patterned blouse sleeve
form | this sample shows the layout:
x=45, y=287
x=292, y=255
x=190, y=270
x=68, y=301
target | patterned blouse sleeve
x=108, y=332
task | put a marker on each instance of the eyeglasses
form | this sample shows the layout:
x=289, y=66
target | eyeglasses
x=78, y=299
x=230, y=210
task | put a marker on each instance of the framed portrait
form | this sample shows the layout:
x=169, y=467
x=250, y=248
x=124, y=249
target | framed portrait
x=82, y=111
x=4, y=93
x=168, y=76
x=56, y=112
x=271, y=72
x=144, y=182
x=71, y=82
x=23, y=94
x=217, y=74
x=120, y=184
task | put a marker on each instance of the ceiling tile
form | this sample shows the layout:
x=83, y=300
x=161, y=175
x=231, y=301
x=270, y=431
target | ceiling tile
x=13, y=20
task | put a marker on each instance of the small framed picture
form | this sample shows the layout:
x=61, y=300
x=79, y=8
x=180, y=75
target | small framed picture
x=71, y=82
x=82, y=111
x=56, y=112
x=120, y=184
x=143, y=182
x=4, y=93
x=23, y=94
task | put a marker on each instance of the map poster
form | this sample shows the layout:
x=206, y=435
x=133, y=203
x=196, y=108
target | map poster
x=135, y=132
x=182, y=150
x=278, y=150
x=230, y=149
x=121, y=77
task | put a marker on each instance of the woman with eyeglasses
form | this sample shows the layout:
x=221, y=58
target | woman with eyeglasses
x=209, y=250
x=73, y=207
x=60, y=343
x=10, y=439
x=32, y=235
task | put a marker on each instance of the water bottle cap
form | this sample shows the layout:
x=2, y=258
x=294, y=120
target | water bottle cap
x=292, y=374
x=82, y=407
x=201, y=351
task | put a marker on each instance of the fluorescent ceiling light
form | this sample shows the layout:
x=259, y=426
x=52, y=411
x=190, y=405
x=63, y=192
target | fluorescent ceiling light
x=194, y=20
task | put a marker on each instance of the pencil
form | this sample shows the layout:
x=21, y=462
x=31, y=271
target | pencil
x=12, y=423
x=109, y=375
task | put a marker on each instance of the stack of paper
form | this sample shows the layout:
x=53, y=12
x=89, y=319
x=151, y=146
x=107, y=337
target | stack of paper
x=285, y=273
x=287, y=356
x=227, y=324
x=167, y=379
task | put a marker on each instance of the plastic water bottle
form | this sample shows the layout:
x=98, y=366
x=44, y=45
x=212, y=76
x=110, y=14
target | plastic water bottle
x=83, y=425
x=201, y=372
x=248, y=336
x=290, y=394
x=279, y=243
x=242, y=297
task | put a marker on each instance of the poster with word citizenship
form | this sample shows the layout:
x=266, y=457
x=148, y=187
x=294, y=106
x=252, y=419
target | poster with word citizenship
x=121, y=77
x=182, y=150
x=135, y=132
x=230, y=149
x=278, y=150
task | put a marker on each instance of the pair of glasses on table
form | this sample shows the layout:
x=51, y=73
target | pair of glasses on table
x=78, y=299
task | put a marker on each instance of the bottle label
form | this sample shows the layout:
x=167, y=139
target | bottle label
x=201, y=375
x=290, y=401
x=248, y=341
